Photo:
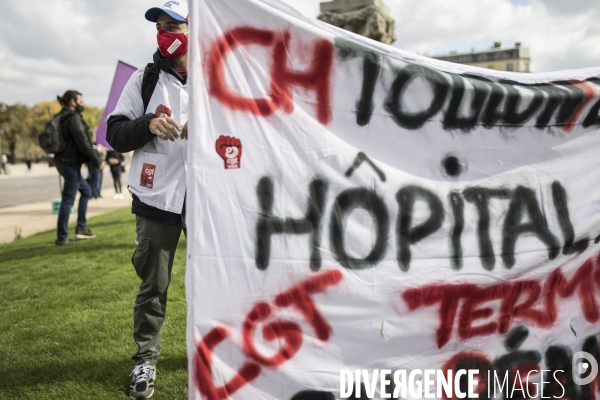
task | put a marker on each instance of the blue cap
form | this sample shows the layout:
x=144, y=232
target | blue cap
x=178, y=10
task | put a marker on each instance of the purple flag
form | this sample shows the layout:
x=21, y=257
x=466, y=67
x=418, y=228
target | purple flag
x=122, y=75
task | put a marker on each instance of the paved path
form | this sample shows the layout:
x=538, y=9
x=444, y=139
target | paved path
x=29, y=217
x=41, y=184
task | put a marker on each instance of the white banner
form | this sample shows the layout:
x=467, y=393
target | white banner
x=355, y=207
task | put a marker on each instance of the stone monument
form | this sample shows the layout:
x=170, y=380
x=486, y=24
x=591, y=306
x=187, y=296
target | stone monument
x=370, y=18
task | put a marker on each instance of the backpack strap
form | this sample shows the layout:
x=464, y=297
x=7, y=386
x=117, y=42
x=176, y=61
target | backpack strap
x=149, y=81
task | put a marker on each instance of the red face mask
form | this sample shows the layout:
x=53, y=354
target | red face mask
x=171, y=44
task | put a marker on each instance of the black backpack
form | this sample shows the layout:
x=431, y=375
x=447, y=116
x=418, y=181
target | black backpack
x=149, y=82
x=51, y=139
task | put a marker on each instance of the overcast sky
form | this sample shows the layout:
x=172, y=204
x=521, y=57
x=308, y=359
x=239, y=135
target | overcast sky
x=48, y=46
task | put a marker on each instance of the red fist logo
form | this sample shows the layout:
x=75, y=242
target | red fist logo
x=230, y=150
x=162, y=111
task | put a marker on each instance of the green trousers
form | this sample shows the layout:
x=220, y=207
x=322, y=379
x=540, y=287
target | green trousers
x=153, y=261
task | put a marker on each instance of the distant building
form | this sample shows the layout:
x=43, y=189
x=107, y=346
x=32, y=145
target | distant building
x=515, y=59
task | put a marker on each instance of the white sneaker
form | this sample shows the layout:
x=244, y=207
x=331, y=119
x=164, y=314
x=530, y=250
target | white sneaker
x=142, y=381
x=116, y=196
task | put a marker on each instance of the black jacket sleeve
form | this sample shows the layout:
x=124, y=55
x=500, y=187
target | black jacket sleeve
x=125, y=135
x=82, y=140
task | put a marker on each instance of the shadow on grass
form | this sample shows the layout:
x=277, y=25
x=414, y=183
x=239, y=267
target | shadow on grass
x=172, y=364
x=24, y=253
x=113, y=224
x=111, y=373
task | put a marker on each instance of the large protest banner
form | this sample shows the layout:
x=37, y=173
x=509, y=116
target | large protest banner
x=351, y=206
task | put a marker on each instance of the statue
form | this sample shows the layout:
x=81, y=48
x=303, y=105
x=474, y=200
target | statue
x=369, y=18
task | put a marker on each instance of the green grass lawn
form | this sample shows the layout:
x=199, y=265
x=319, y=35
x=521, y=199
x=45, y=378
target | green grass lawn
x=66, y=317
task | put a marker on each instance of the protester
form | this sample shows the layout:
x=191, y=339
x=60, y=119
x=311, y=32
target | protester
x=102, y=152
x=154, y=128
x=5, y=164
x=78, y=150
x=116, y=161
x=28, y=163
x=95, y=174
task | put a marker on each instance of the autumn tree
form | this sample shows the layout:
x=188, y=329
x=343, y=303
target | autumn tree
x=21, y=125
x=13, y=120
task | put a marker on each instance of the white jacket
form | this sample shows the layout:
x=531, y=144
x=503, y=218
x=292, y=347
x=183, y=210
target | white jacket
x=157, y=171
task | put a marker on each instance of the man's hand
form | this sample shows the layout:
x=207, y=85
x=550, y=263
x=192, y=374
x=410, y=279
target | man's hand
x=164, y=128
x=184, y=132
x=102, y=166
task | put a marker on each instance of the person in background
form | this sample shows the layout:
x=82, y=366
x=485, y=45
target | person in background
x=102, y=150
x=28, y=163
x=116, y=161
x=4, y=164
x=94, y=174
x=78, y=150
x=157, y=180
